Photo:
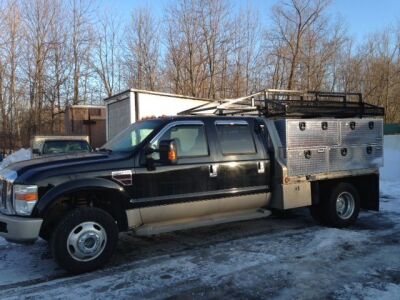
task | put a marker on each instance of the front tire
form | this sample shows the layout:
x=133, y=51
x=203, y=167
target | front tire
x=84, y=240
x=338, y=207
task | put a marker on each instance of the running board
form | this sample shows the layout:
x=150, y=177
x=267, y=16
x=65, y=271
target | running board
x=163, y=227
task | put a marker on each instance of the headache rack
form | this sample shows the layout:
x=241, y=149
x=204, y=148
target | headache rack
x=287, y=103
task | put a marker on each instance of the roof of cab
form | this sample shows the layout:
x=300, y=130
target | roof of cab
x=202, y=117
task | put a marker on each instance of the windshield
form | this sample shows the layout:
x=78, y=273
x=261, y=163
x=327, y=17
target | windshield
x=56, y=147
x=132, y=136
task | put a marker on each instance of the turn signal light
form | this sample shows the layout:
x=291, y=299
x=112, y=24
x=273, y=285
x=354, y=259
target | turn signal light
x=26, y=197
x=172, y=155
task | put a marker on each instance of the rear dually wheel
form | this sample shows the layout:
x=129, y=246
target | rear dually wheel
x=338, y=207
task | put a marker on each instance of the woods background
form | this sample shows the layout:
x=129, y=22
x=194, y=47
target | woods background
x=57, y=53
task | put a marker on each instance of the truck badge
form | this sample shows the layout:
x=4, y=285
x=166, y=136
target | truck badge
x=124, y=177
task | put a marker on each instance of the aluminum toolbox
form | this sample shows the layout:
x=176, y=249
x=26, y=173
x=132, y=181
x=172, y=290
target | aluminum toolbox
x=361, y=131
x=312, y=146
x=355, y=157
x=296, y=133
x=307, y=161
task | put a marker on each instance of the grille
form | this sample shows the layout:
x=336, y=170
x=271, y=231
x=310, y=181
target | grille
x=5, y=194
x=2, y=194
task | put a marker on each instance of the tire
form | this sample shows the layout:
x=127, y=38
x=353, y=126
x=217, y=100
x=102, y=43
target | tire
x=340, y=207
x=84, y=240
x=315, y=211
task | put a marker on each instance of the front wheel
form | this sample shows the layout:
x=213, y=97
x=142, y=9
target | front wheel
x=84, y=240
x=339, y=207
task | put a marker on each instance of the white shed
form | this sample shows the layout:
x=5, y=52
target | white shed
x=127, y=107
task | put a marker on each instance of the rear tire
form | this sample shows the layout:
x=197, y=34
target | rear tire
x=338, y=207
x=84, y=240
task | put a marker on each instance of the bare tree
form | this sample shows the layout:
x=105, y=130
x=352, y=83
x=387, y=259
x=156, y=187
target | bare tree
x=58, y=68
x=54, y=53
x=107, y=52
x=81, y=41
x=246, y=50
x=185, y=43
x=13, y=47
x=142, y=50
x=381, y=71
x=293, y=19
x=39, y=17
x=213, y=19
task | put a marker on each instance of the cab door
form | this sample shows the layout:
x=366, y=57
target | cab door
x=186, y=181
x=243, y=162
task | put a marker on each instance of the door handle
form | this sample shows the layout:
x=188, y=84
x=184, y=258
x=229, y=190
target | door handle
x=260, y=167
x=213, y=170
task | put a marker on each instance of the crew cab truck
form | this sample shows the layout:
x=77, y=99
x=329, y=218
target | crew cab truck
x=224, y=161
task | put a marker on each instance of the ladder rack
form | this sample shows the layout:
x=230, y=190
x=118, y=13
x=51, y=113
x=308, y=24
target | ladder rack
x=287, y=103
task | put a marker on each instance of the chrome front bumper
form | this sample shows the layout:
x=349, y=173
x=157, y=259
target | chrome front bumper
x=18, y=229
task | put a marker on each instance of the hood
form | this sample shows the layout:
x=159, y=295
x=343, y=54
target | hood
x=25, y=165
x=39, y=168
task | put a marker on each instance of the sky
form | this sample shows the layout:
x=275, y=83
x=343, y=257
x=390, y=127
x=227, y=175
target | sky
x=362, y=17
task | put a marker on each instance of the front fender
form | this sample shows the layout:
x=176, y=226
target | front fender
x=75, y=186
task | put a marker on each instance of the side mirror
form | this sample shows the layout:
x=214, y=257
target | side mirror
x=168, y=152
x=35, y=151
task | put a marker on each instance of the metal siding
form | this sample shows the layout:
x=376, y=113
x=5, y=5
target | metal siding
x=119, y=116
x=134, y=109
x=158, y=105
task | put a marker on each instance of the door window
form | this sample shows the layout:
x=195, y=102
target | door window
x=190, y=140
x=235, y=138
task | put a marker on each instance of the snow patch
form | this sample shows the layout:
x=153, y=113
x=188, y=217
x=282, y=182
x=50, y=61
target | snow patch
x=328, y=238
x=389, y=292
x=369, y=291
x=20, y=155
x=2, y=241
x=390, y=196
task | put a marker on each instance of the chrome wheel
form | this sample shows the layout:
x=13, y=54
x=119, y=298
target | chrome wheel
x=86, y=241
x=345, y=205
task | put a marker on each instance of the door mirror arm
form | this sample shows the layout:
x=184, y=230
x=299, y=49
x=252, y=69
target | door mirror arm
x=149, y=160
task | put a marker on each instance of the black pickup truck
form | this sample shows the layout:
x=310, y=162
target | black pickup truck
x=169, y=174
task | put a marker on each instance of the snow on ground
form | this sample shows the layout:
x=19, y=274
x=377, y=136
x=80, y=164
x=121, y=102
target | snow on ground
x=285, y=257
x=391, y=169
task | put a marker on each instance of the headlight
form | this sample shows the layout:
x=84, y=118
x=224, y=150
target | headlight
x=25, y=198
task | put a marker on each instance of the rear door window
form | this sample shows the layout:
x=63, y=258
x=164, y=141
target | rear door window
x=235, y=138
